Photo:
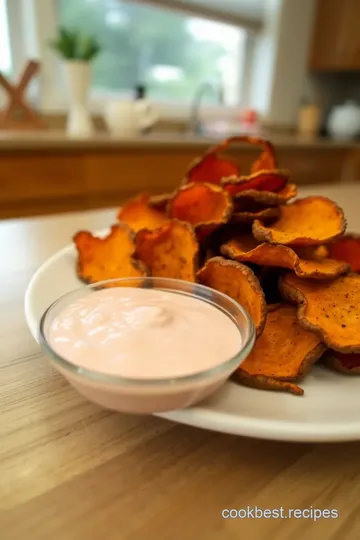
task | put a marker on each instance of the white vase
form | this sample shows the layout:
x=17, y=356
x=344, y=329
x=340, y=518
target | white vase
x=78, y=75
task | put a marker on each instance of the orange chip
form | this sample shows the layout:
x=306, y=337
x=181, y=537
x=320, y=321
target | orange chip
x=284, y=352
x=248, y=217
x=315, y=253
x=240, y=283
x=347, y=248
x=321, y=252
x=263, y=382
x=267, y=198
x=245, y=248
x=309, y=221
x=204, y=206
x=268, y=181
x=266, y=161
x=344, y=363
x=139, y=215
x=160, y=202
x=210, y=169
x=329, y=308
x=170, y=251
x=100, y=259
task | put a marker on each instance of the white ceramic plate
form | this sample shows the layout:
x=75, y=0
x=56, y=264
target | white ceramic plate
x=329, y=410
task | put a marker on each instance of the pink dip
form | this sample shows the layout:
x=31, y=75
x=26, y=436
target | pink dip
x=144, y=333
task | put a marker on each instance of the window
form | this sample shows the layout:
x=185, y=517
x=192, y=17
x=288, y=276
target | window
x=170, y=52
x=5, y=56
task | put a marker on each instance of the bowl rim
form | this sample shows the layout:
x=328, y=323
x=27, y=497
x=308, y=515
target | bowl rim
x=195, y=290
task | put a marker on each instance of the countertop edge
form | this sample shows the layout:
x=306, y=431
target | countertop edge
x=44, y=141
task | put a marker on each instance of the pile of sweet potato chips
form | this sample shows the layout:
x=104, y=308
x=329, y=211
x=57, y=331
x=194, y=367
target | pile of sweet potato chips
x=288, y=262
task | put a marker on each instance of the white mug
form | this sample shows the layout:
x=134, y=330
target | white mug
x=129, y=118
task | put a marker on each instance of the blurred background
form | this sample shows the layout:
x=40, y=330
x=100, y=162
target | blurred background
x=101, y=99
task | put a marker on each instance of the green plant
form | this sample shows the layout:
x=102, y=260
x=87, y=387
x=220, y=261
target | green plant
x=75, y=45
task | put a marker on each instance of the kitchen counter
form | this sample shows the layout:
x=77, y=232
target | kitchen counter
x=47, y=172
x=58, y=140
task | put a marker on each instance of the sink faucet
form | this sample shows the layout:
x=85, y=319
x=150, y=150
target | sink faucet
x=195, y=124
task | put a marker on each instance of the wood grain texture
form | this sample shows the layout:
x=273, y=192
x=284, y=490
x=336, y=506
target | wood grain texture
x=40, y=181
x=70, y=470
x=336, y=40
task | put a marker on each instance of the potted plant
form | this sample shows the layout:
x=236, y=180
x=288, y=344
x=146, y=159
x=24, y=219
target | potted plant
x=77, y=50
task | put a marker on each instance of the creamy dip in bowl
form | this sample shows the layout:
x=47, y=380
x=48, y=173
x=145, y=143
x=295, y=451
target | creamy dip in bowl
x=146, y=345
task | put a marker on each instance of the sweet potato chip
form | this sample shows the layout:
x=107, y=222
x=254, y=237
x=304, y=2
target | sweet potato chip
x=267, y=159
x=262, y=382
x=210, y=169
x=314, y=253
x=284, y=352
x=205, y=206
x=170, y=251
x=329, y=308
x=268, y=181
x=246, y=249
x=265, y=214
x=240, y=283
x=347, y=249
x=267, y=198
x=266, y=162
x=160, y=202
x=139, y=215
x=320, y=252
x=308, y=221
x=344, y=363
x=107, y=258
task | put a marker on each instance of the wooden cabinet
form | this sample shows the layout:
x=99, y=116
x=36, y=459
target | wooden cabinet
x=336, y=36
x=46, y=181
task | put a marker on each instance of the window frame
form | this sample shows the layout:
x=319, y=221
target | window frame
x=32, y=23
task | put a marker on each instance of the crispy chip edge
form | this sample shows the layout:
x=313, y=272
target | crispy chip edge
x=262, y=233
x=202, y=227
x=250, y=217
x=343, y=268
x=262, y=382
x=138, y=264
x=293, y=295
x=271, y=198
x=253, y=280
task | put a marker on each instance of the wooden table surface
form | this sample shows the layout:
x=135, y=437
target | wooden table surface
x=70, y=470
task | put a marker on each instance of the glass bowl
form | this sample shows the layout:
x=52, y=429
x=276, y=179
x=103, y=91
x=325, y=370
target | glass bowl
x=146, y=396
